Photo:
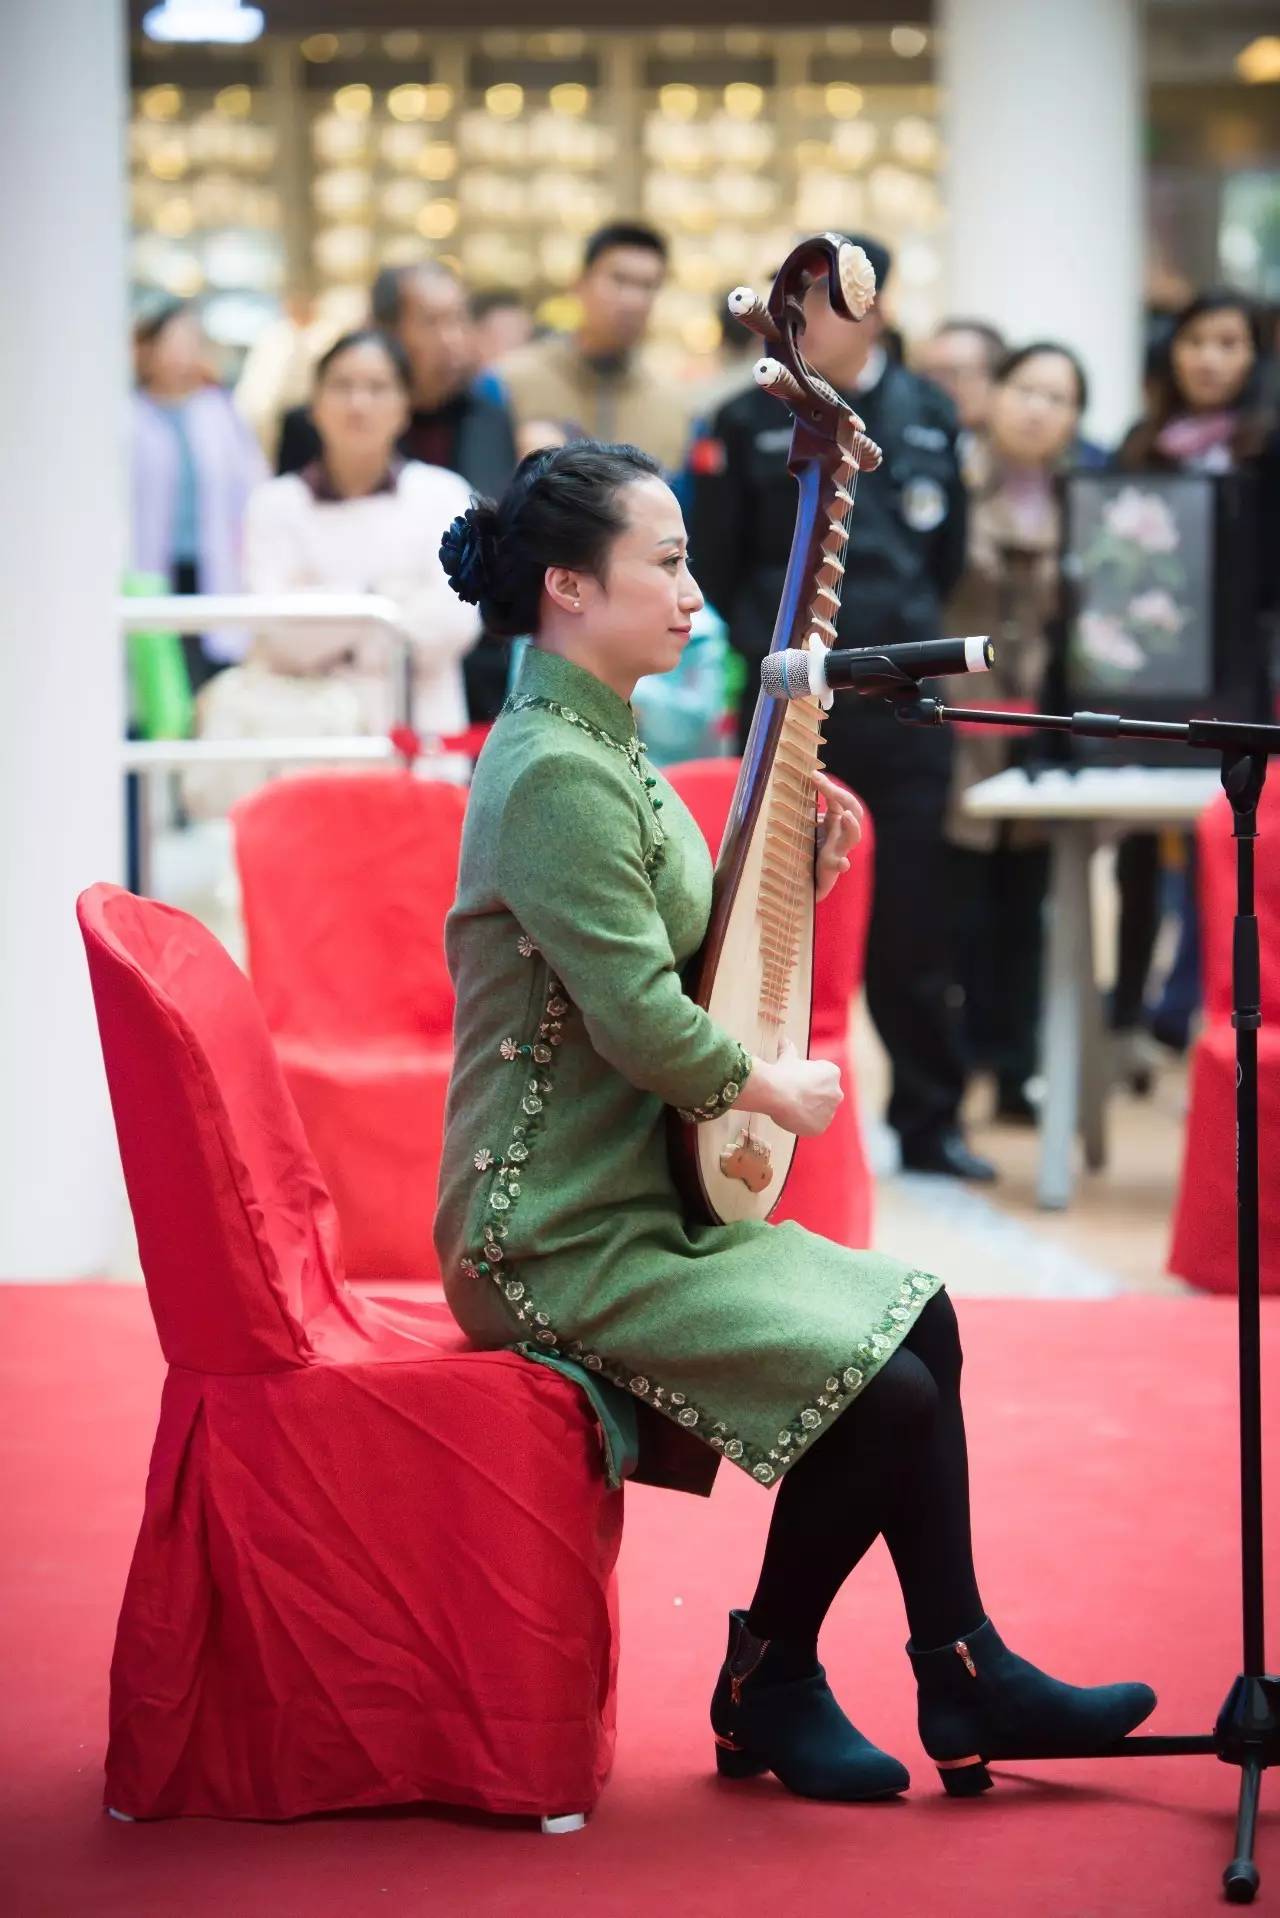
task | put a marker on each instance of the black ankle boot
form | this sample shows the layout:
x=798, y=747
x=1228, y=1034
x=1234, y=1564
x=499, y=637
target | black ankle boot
x=769, y=1714
x=979, y=1701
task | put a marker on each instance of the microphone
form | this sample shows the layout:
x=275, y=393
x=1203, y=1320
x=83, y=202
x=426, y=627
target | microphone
x=798, y=673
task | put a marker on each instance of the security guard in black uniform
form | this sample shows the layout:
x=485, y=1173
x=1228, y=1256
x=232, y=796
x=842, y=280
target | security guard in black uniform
x=906, y=551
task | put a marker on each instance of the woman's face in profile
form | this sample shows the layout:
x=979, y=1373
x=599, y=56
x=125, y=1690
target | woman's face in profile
x=360, y=407
x=1212, y=357
x=639, y=616
x=1035, y=410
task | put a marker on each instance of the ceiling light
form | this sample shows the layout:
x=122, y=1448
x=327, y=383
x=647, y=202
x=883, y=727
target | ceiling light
x=908, y=42
x=1259, y=63
x=222, y=20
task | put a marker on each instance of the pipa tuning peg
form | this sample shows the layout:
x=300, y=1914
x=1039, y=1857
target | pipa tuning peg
x=867, y=454
x=773, y=377
x=750, y=310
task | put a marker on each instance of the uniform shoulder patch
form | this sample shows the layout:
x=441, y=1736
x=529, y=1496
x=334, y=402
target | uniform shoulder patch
x=707, y=456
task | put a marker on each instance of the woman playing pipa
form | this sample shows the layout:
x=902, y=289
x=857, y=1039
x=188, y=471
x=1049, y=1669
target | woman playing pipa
x=830, y=1376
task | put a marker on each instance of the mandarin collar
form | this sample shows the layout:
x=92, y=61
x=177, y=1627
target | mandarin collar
x=550, y=676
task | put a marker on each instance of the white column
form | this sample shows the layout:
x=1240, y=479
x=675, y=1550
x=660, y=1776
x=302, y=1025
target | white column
x=1042, y=121
x=62, y=493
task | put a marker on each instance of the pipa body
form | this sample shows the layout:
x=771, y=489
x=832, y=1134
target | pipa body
x=754, y=973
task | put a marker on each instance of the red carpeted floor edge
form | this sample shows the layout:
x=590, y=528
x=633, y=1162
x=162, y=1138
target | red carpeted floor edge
x=1103, y=1443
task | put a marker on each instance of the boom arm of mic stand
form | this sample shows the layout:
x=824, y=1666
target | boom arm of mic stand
x=1212, y=735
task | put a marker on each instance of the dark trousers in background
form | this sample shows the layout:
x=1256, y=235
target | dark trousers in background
x=485, y=671
x=999, y=900
x=1138, y=883
x=200, y=667
x=1144, y=897
x=904, y=778
x=911, y=977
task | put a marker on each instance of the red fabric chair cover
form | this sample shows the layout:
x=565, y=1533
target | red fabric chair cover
x=1203, y=1248
x=830, y=1189
x=374, y=1566
x=346, y=880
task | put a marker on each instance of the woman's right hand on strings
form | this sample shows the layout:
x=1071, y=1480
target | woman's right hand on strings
x=798, y=1094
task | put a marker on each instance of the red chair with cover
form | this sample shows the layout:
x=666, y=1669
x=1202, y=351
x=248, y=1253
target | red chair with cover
x=1203, y=1249
x=373, y=1566
x=830, y=1189
x=346, y=879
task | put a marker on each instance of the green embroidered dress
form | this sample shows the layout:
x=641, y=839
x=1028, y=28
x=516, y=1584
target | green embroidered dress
x=585, y=885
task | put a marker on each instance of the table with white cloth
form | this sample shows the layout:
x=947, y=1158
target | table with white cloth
x=1071, y=806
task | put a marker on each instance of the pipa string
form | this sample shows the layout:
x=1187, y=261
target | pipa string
x=801, y=833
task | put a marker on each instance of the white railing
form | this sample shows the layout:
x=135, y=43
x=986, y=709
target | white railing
x=364, y=613
x=203, y=612
x=175, y=755
x=187, y=613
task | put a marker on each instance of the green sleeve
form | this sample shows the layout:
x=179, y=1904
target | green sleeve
x=571, y=868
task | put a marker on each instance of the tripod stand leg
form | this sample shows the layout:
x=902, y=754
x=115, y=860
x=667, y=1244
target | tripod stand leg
x=1240, y=1879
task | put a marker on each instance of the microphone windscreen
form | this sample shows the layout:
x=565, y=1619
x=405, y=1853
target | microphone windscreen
x=785, y=675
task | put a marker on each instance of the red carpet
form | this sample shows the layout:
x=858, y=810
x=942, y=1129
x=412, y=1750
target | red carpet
x=1104, y=1460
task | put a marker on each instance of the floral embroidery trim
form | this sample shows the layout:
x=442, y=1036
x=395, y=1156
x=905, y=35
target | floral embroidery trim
x=717, y=1102
x=632, y=750
x=840, y=1387
x=509, y=1169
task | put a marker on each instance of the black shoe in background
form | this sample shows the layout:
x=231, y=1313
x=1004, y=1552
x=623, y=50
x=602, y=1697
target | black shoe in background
x=1013, y=1107
x=946, y=1153
x=1172, y=1031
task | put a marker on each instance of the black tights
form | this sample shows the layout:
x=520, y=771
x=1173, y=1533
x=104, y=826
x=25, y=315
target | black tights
x=894, y=1462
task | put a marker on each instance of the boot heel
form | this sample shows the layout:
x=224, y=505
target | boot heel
x=733, y=1763
x=965, y=1777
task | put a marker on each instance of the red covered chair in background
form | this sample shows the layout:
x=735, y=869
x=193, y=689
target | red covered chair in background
x=830, y=1188
x=1204, y=1225
x=346, y=879
x=373, y=1566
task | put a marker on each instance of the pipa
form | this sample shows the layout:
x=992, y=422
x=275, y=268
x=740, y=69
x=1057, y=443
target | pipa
x=754, y=973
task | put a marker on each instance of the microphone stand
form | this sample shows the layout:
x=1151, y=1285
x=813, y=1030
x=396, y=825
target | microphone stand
x=1247, y=1732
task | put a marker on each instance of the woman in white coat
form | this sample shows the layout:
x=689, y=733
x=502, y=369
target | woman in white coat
x=361, y=520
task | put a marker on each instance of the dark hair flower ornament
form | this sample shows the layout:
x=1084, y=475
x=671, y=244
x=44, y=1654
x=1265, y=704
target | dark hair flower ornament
x=461, y=556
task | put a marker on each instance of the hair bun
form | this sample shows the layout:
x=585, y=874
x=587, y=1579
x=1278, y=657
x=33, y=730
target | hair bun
x=466, y=552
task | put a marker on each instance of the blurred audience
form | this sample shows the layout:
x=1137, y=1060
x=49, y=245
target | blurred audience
x=962, y=357
x=279, y=366
x=449, y=423
x=500, y=322
x=533, y=435
x=596, y=376
x=738, y=352
x=1009, y=589
x=358, y=519
x=455, y=420
x=1209, y=410
x=686, y=713
x=194, y=463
